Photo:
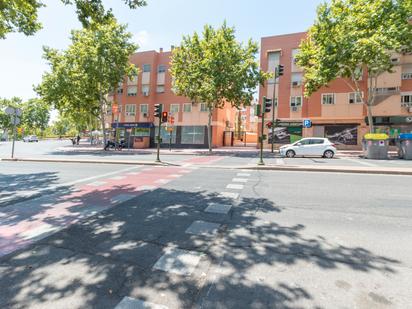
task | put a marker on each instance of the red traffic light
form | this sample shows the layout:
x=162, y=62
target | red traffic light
x=164, y=117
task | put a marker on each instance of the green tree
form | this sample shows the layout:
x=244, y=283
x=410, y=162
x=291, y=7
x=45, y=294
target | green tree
x=19, y=16
x=36, y=115
x=215, y=69
x=22, y=15
x=351, y=36
x=82, y=76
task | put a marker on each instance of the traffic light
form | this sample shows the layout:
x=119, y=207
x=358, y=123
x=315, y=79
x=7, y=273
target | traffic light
x=267, y=105
x=164, y=117
x=281, y=69
x=157, y=110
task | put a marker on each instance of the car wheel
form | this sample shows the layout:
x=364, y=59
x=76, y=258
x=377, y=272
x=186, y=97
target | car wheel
x=290, y=153
x=328, y=154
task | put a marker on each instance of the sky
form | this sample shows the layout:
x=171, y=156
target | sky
x=161, y=23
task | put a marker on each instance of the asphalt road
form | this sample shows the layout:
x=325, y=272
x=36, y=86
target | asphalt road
x=213, y=238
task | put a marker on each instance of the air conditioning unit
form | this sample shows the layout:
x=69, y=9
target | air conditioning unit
x=295, y=84
x=146, y=93
x=395, y=60
x=410, y=109
x=144, y=115
x=294, y=108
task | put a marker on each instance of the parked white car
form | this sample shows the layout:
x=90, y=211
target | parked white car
x=30, y=138
x=308, y=147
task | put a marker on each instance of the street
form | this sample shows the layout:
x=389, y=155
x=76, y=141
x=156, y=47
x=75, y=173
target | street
x=202, y=237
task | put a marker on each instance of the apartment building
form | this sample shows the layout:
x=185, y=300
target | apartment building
x=135, y=98
x=335, y=110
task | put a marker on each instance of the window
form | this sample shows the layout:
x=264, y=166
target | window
x=316, y=141
x=161, y=69
x=203, y=107
x=160, y=88
x=407, y=75
x=130, y=110
x=294, y=53
x=273, y=62
x=174, y=108
x=355, y=97
x=296, y=79
x=328, y=98
x=120, y=88
x=295, y=101
x=193, y=135
x=144, y=108
x=132, y=80
x=140, y=132
x=304, y=141
x=132, y=91
x=406, y=100
x=187, y=107
x=165, y=135
x=145, y=90
x=146, y=68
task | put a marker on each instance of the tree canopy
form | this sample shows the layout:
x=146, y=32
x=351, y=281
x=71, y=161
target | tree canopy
x=349, y=36
x=215, y=68
x=81, y=76
x=22, y=15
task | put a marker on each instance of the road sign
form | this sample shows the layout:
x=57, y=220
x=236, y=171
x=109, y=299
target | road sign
x=307, y=123
x=15, y=120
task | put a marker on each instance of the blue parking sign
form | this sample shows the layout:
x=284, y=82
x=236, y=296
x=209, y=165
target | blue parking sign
x=307, y=123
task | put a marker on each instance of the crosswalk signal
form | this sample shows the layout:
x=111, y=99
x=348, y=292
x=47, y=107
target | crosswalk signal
x=267, y=105
x=281, y=69
x=157, y=110
x=164, y=117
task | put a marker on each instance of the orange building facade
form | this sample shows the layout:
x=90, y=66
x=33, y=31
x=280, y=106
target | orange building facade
x=335, y=111
x=137, y=96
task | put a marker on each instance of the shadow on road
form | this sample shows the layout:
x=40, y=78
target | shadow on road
x=95, y=263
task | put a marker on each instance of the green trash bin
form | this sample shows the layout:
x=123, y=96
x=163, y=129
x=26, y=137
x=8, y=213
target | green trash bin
x=405, y=146
x=375, y=146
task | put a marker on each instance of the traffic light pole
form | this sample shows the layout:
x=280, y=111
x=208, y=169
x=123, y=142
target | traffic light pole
x=158, y=141
x=262, y=135
x=14, y=134
x=273, y=110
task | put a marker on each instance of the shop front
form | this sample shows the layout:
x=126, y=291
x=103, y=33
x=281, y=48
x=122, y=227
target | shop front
x=285, y=132
x=136, y=134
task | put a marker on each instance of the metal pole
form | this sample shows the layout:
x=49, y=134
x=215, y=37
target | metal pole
x=14, y=133
x=170, y=140
x=158, y=139
x=273, y=111
x=261, y=135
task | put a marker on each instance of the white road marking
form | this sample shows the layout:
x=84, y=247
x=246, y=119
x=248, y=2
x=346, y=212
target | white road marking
x=243, y=174
x=174, y=175
x=117, y=177
x=360, y=162
x=239, y=179
x=234, y=186
x=146, y=188
x=229, y=195
x=97, y=183
x=133, y=303
x=162, y=181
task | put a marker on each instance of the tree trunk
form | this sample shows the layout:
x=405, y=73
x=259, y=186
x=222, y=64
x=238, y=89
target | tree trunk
x=370, y=119
x=209, y=130
x=102, y=121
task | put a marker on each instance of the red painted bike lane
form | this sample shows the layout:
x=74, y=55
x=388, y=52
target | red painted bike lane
x=24, y=223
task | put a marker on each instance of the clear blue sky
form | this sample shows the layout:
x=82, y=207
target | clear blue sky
x=161, y=24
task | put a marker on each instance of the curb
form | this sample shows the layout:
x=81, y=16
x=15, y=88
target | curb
x=333, y=169
x=336, y=169
x=89, y=161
